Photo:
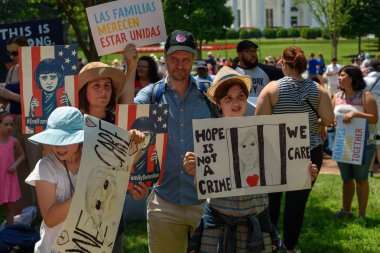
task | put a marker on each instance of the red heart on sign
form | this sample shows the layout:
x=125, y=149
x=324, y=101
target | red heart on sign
x=252, y=180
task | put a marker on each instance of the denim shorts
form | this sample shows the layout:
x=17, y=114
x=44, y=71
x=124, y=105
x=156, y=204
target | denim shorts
x=358, y=172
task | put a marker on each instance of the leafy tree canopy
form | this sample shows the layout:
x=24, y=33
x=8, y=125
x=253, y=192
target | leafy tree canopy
x=206, y=19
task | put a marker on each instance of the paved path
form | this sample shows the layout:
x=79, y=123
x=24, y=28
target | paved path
x=329, y=166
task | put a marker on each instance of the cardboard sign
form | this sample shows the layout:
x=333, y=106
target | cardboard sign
x=350, y=140
x=250, y=155
x=116, y=24
x=48, y=79
x=93, y=220
x=152, y=120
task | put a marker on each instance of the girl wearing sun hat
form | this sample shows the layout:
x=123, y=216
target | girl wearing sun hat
x=230, y=92
x=55, y=175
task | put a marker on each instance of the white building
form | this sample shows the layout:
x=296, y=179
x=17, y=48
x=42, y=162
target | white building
x=271, y=13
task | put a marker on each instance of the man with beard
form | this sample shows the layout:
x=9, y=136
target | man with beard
x=173, y=208
x=261, y=74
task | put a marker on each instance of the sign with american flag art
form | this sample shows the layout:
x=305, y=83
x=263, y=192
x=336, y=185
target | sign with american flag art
x=48, y=79
x=152, y=120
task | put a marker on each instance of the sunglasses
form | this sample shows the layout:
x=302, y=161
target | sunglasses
x=13, y=53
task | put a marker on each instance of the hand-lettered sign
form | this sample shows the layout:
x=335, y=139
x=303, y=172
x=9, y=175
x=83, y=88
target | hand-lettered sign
x=116, y=24
x=92, y=222
x=350, y=140
x=250, y=155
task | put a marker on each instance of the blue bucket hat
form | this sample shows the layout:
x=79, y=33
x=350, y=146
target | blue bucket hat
x=64, y=127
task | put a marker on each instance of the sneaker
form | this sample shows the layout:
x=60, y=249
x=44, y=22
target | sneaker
x=342, y=213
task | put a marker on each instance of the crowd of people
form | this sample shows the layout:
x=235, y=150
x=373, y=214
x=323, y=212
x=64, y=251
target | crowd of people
x=176, y=220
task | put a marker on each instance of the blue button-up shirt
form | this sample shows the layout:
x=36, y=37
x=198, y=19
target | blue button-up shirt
x=176, y=185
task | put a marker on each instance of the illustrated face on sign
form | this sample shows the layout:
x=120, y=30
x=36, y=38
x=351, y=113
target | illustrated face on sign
x=248, y=149
x=147, y=139
x=48, y=81
x=100, y=195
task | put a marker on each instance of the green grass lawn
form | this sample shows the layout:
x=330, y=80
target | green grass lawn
x=347, y=48
x=321, y=231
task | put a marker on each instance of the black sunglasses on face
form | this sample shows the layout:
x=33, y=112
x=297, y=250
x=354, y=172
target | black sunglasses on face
x=13, y=53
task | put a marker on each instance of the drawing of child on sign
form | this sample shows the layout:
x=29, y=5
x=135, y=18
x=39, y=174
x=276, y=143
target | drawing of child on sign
x=49, y=78
x=248, y=168
x=249, y=158
x=148, y=162
x=100, y=198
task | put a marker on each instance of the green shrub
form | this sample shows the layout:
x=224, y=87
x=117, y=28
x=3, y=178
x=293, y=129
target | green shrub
x=317, y=32
x=293, y=33
x=243, y=34
x=269, y=33
x=308, y=33
x=232, y=34
x=255, y=33
x=282, y=33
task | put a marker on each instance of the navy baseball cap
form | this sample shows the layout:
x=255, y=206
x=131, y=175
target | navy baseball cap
x=202, y=65
x=245, y=44
x=180, y=41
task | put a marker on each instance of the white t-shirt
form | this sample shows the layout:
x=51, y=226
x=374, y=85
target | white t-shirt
x=51, y=170
x=259, y=79
x=333, y=80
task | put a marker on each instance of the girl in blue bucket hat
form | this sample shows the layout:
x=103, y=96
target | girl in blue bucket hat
x=55, y=175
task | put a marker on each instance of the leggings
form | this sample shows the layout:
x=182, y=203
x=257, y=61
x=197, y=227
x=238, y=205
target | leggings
x=295, y=203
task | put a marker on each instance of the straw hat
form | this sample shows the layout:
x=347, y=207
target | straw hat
x=96, y=70
x=64, y=127
x=223, y=75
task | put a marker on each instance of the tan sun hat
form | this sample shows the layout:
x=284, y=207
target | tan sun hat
x=223, y=75
x=95, y=70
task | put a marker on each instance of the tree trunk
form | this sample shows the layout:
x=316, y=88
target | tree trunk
x=334, y=43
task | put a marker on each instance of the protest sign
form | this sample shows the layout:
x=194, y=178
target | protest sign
x=250, y=155
x=93, y=219
x=38, y=33
x=115, y=24
x=350, y=140
x=48, y=78
x=152, y=120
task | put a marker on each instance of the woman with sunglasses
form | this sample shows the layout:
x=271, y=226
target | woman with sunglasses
x=11, y=91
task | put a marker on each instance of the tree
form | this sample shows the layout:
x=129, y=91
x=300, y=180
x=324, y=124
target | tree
x=333, y=15
x=364, y=19
x=12, y=11
x=206, y=19
x=74, y=13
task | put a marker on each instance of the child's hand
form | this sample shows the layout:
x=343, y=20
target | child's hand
x=137, y=136
x=313, y=169
x=139, y=191
x=12, y=169
x=189, y=163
